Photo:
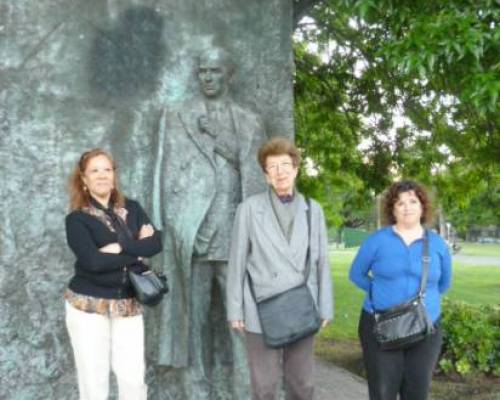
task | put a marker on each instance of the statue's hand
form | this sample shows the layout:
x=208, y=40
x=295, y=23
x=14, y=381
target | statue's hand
x=205, y=126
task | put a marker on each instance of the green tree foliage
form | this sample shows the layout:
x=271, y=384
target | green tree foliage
x=388, y=89
x=329, y=135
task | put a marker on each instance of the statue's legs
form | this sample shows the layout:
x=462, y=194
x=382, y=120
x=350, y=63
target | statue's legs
x=199, y=380
x=241, y=375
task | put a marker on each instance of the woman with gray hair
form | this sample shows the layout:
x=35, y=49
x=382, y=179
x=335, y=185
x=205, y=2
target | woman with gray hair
x=279, y=243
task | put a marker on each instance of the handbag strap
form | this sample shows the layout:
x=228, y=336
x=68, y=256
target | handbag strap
x=307, y=269
x=119, y=225
x=425, y=264
x=425, y=270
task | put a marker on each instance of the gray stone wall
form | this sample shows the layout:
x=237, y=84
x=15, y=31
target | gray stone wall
x=80, y=74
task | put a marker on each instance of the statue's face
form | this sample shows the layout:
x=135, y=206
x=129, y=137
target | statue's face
x=212, y=75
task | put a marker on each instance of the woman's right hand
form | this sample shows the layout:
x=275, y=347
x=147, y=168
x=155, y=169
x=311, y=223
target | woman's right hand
x=112, y=248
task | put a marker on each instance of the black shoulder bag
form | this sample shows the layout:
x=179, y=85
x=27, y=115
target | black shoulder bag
x=287, y=317
x=149, y=286
x=406, y=324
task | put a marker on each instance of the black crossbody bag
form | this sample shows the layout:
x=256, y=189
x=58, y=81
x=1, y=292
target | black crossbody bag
x=287, y=317
x=406, y=324
x=149, y=286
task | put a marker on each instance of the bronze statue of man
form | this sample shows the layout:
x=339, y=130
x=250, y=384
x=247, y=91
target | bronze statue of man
x=207, y=165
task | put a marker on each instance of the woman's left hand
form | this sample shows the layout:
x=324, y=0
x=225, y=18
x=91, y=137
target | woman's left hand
x=324, y=323
x=146, y=231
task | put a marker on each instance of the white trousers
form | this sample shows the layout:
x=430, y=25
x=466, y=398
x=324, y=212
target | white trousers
x=101, y=344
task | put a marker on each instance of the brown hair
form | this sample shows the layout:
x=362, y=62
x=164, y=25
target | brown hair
x=276, y=147
x=79, y=197
x=392, y=195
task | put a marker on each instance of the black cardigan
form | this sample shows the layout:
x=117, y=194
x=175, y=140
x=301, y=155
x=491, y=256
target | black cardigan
x=104, y=275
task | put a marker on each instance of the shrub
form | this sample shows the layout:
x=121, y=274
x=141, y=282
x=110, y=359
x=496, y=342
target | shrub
x=471, y=339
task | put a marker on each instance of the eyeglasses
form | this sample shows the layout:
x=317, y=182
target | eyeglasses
x=274, y=168
x=95, y=171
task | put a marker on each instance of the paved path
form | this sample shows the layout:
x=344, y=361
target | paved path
x=334, y=383
x=477, y=260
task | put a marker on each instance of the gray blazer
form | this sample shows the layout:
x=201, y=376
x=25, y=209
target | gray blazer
x=275, y=265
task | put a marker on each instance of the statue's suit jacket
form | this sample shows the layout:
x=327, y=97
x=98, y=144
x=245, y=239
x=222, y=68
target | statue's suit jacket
x=184, y=188
x=259, y=247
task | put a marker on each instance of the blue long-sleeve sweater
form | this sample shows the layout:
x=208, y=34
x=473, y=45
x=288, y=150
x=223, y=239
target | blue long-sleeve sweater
x=393, y=270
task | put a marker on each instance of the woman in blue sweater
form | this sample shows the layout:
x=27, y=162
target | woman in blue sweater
x=389, y=264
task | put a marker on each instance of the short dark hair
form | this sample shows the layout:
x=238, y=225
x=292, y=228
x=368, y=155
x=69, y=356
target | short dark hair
x=391, y=196
x=278, y=146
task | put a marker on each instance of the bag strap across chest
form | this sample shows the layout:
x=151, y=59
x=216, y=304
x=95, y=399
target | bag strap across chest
x=425, y=269
x=307, y=268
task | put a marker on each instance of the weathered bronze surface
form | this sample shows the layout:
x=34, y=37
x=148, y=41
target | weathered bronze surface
x=125, y=75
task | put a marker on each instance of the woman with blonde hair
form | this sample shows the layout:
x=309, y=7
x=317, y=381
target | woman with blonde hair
x=109, y=235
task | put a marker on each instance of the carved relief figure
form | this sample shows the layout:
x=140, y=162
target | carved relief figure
x=206, y=166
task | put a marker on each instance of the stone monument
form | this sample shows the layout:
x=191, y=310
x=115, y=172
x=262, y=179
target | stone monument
x=115, y=74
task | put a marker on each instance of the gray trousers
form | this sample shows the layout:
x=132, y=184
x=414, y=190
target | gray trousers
x=295, y=361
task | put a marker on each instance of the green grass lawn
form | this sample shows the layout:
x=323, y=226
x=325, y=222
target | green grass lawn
x=480, y=249
x=475, y=285
x=348, y=298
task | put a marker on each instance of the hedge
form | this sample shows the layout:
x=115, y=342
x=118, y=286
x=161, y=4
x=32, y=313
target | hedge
x=471, y=339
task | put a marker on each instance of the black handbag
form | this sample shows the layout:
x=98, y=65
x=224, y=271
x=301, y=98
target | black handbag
x=406, y=324
x=149, y=286
x=287, y=317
